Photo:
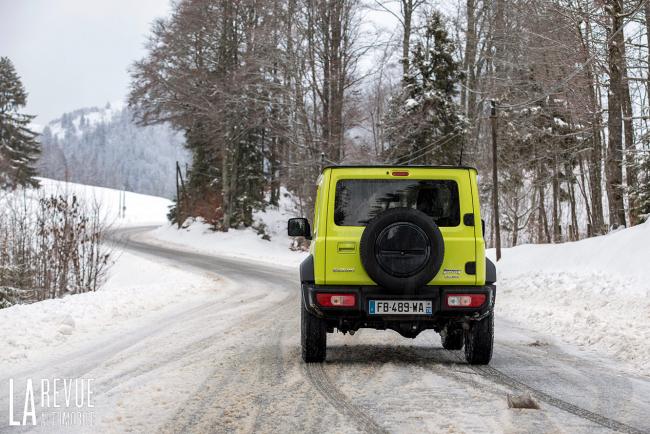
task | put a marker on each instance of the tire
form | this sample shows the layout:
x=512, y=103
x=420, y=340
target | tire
x=452, y=339
x=313, y=337
x=402, y=249
x=479, y=340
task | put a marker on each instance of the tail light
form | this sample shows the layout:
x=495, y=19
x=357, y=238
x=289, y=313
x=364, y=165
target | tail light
x=336, y=300
x=465, y=300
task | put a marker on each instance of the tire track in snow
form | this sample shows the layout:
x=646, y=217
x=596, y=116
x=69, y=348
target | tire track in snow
x=505, y=379
x=599, y=385
x=196, y=409
x=453, y=371
x=319, y=379
x=186, y=351
x=500, y=377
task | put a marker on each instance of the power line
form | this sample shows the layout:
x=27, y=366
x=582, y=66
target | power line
x=414, y=155
x=417, y=151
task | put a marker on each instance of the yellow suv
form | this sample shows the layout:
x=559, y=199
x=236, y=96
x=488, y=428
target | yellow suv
x=397, y=248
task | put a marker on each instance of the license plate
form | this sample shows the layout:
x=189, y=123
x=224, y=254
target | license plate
x=400, y=307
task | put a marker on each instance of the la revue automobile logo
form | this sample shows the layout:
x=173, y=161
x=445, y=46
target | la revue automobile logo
x=51, y=402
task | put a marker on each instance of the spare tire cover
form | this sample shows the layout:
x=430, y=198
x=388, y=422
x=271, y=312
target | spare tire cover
x=402, y=249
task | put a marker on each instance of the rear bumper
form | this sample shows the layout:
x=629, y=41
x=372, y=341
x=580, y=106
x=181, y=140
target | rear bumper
x=353, y=318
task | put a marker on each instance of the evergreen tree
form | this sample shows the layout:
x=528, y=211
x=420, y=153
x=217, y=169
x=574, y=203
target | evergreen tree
x=424, y=123
x=19, y=149
x=641, y=192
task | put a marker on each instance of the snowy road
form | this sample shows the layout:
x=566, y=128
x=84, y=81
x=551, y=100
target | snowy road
x=233, y=365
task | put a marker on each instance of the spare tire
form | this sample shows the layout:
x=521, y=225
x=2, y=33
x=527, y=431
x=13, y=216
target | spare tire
x=402, y=249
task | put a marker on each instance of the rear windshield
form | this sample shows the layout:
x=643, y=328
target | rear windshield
x=357, y=201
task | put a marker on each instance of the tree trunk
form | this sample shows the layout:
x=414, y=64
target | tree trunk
x=225, y=189
x=557, y=233
x=337, y=80
x=596, y=153
x=515, y=221
x=613, y=162
x=582, y=184
x=628, y=124
x=468, y=95
x=572, y=202
x=542, y=212
x=498, y=43
x=407, y=16
x=646, y=10
x=325, y=94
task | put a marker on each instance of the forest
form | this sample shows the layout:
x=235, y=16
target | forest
x=266, y=92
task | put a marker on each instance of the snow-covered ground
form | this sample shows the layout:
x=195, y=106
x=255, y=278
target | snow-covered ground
x=594, y=293
x=136, y=292
x=241, y=243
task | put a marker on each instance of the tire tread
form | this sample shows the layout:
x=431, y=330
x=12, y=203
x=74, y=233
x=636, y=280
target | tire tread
x=479, y=341
x=313, y=337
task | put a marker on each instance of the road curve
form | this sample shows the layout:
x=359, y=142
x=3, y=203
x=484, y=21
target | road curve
x=233, y=365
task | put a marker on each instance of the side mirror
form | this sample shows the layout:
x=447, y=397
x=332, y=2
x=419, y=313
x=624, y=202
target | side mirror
x=299, y=227
x=483, y=227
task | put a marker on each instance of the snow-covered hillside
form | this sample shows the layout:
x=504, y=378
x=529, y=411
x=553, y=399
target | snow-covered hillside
x=104, y=146
x=141, y=209
x=594, y=293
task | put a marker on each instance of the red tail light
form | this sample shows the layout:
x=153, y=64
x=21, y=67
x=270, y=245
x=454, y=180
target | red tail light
x=400, y=173
x=336, y=300
x=465, y=300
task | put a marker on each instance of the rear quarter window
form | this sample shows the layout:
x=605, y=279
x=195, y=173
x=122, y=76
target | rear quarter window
x=357, y=201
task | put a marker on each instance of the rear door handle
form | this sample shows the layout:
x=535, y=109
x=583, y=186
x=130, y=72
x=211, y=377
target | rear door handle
x=346, y=247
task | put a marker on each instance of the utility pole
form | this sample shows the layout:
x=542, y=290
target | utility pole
x=124, y=202
x=179, y=207
x=119, y=206
x=495, y=180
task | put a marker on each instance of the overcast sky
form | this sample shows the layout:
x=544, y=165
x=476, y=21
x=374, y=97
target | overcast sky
x=74, y=53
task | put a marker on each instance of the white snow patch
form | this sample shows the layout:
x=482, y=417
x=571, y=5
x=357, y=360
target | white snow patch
x=410, y=103
x=559, y=122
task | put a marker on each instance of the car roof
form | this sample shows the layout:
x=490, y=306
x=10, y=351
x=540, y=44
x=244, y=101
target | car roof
x=386, y=166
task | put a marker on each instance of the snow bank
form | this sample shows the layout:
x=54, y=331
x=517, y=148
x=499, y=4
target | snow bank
x=594, y=293
x=136, y=287
x=136, y=290
x=242, y=243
